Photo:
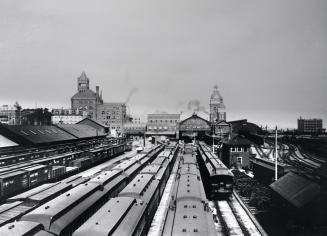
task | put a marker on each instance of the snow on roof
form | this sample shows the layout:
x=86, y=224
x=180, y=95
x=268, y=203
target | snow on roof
x=5, y=142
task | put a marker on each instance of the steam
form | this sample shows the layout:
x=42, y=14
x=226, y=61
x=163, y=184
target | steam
x=195, y=105
x=130, y=94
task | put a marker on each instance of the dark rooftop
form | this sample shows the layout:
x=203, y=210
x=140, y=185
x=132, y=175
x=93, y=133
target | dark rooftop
x=81, y=131
x=26, y=135
x=297, y=190
x=236, y=140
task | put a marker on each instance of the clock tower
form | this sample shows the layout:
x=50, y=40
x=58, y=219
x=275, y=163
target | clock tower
x=217, y=107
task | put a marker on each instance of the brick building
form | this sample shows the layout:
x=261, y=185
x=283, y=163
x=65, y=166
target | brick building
x=112, y=114
x=236, y=151
x=66, y=116
x=85, y=99
x=162, y=124
x=310, y=125
x=9, y=115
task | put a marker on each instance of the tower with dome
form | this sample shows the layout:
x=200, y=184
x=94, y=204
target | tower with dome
x=217, y=106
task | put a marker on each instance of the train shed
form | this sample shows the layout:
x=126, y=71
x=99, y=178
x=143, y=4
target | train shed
x=27, y=135
x=95, y=124
x=82, y=131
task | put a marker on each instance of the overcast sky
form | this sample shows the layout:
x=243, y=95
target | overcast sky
x=269, y=58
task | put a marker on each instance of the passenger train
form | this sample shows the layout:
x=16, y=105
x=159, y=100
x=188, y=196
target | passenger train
x=188, y=212
x=131, y=212
x=129, y=192
x=41, y=166
x=218, y=178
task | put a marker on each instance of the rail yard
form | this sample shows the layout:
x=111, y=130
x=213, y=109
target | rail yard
x=159, y=191
x=98, y=185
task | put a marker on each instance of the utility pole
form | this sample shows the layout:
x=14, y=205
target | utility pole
x=276, y=159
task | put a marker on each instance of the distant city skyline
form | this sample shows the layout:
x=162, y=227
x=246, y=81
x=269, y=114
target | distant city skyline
x=267, y=58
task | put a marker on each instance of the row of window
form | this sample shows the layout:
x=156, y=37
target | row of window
x=161, y=128
x=238, y=149
x=163, y=121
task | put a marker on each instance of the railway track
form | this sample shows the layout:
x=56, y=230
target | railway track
x=233, y=218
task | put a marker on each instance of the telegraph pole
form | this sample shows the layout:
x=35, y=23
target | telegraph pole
x=276, y=158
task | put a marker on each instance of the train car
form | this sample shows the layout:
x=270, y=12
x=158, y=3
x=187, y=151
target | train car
x=49, y=193
x=218, y=177
x=63, y=214
x=81, y=162
x=37, y=174
x=127, y=214
x=10, y=212
x=75, y=180
x=107, y=219
x=96, y=155
x=111, y=181
x=25, y=195
x=188, y=213
x=14, y=159
x=12, y=182
x=57, y=171
x=131, y=212
x=24, y=228
x=129, y=146
x=146, y=188
x=189, y=148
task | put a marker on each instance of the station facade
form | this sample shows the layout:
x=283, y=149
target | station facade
x=162, y=124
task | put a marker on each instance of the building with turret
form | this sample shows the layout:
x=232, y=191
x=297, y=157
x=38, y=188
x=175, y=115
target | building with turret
x=217, y=107
x=85, y=99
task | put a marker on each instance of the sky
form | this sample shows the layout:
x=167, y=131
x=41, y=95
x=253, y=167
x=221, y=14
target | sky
x=268, y=58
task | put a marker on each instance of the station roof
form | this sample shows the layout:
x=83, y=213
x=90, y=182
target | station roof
x=88, y=120
x=237, y=140
x=244, y=125
x=188, y=114
x=297, y=190
x=81, y=131
x=27, y=134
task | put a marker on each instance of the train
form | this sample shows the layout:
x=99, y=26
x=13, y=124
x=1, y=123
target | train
x=132, y=210
x=21, y=176
x=188, y=213
x=16, y=155
x=64, y=213
x=24, y=228
x=219, y=179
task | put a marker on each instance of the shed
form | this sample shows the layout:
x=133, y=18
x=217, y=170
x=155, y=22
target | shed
x=296, y=190
x=95, y=124
x=82, y=131
x=31, y=135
